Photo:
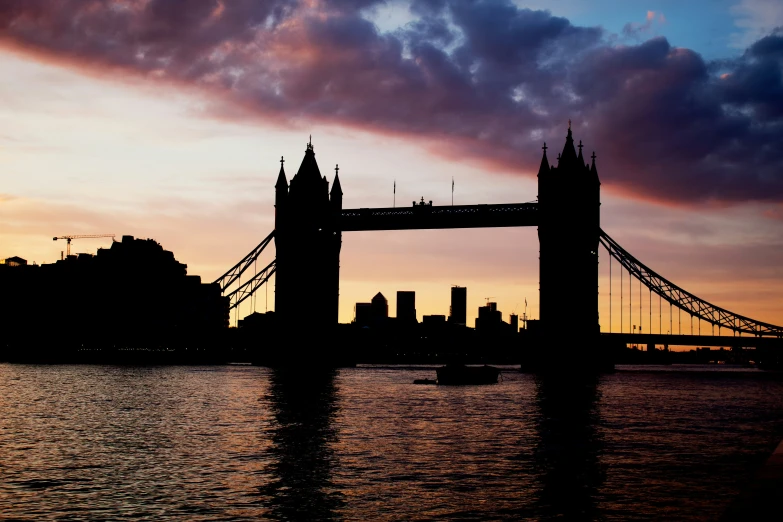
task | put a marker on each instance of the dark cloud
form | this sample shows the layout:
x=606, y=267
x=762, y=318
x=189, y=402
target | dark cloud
x=428, y=7
x=756, y=80
x=485, y=79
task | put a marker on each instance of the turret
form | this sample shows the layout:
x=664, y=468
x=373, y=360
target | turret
x=336, y=194
x=543, y=176
x=281, y=193
x=309, y=191
x=543, y=169
x=568, y=158
x=282, y=183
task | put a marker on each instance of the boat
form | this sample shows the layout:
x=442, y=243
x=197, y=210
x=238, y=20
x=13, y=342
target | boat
x=457, y=374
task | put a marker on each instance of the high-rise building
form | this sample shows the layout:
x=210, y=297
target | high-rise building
x=380, y=307
x=362, y=314
x=489, y=318
x=513, y=320
x=406, y=305
x=458, y=313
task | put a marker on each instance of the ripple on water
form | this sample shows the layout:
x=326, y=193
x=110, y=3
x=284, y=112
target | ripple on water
x=243, y=443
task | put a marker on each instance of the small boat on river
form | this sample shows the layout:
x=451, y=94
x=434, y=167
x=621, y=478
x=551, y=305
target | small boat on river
x=458, y=374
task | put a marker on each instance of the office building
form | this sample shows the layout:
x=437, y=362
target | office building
x=406, y=306
x=362, y=314
x=458, y=313
x=380, y=307
x=489, y=318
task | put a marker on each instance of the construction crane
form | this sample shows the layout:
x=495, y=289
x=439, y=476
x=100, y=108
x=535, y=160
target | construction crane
x=488, y=298
x=82, y=236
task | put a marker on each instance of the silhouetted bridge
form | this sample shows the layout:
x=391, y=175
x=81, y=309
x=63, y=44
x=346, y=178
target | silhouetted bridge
x=752, y=332
x=566, y=213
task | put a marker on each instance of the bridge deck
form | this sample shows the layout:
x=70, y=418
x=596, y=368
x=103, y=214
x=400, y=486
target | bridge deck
x=696, y=340
x=429, y=217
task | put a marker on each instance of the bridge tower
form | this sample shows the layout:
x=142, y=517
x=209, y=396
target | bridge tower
x=307, y=247
x=569, y=199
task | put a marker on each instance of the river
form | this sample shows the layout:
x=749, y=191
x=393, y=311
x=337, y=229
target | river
x=247, y=443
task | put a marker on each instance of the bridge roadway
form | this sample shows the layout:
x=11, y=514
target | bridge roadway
x=695, y=340
x=429, y=217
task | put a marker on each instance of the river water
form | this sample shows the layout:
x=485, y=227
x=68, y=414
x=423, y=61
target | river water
x=249, y=443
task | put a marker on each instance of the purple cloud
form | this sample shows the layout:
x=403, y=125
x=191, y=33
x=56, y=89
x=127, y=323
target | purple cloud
x=484, y=79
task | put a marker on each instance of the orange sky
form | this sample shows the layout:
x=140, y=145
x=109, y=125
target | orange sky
x=86, y=153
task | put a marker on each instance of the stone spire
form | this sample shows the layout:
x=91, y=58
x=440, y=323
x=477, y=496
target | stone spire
x=308, y=170
x=593, y=169
x=568, y=157
x=544, y=168
x=282, y=183
x=337, y=190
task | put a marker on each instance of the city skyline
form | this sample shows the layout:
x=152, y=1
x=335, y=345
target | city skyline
x=93, y=146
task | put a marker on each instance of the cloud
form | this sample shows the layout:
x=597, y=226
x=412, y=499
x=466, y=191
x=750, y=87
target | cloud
x=479, y=80
x=775, y=213
x=636, y=30
x=755, y=19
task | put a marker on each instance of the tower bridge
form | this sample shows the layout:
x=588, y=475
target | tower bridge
x=310, y=221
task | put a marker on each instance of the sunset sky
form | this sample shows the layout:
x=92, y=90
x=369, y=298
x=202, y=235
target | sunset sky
x=167, y=120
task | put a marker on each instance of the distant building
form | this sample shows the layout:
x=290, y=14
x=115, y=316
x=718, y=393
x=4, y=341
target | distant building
x=406, y=305
x=429, y=320
x=458, y=313
x=533, y=326
x=489, y=318
x=258, y=321
x=362, y=314
x=134, y=293
x=380, y=307
x=13, y=261
x=513, y=320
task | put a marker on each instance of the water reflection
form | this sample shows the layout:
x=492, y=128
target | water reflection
x=566, y=457
x=302, y=446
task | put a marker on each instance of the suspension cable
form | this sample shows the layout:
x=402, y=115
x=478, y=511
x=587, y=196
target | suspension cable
x=683, y=300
